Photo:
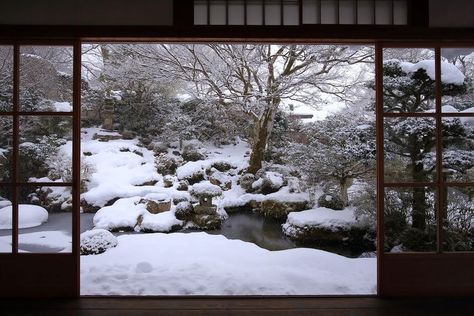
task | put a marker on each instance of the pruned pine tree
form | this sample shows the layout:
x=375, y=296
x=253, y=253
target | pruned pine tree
x=341, y=148
x=413, y=139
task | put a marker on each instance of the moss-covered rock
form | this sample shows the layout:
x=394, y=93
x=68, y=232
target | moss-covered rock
x=280, y=209
x=356, y=238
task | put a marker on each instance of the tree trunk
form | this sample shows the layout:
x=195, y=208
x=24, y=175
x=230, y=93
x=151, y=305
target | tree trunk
x=420, y=207
x=262, y=131
x=344, y=185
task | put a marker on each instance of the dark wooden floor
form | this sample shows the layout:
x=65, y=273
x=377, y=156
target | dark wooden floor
x=237, y=306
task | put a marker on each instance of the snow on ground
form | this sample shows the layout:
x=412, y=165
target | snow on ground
x=49, y=241
x=120, y=168
x=203, y=264
x=323, y=217
x=29, y=216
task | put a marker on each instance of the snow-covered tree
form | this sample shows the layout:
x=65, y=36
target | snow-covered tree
x=257, y=78
x=341, y=148
x=410, y=88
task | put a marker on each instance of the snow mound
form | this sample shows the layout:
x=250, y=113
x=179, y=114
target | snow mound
x=450, y=74
x=203, y=264
x=161, y=222
x=29, y=216
x=97, y=241
x=205, y=188
x=123, y=214
x=62, y=106
x=323, y=217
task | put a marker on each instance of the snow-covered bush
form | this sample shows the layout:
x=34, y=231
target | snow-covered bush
x=97, y=241
x=166, y=165
x=331, y=201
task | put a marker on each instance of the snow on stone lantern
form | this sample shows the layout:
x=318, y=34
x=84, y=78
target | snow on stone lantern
x=204, y=192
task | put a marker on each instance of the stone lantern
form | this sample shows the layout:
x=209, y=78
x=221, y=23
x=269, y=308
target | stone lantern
x=204, y=192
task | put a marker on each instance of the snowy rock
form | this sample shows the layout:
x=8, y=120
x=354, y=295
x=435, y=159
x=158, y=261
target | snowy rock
x=328, y=227
x=268, y=182
x=29, y=216
x=331, y=201
x=168, y=181
x=96, y=241
x=183, y=185
x=106, y=137
x=157, y=206
x=246, y=181
x=163, y=222
x=128, y=135
x=184, y=211
x=207, y=221
x=280, y=209
x=221, y=179
x=222, y=166
x=122, y=215
x=192, y=155
x=193, y=172
x=166, y=165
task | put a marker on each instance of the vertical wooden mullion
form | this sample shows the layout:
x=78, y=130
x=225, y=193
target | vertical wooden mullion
x=380, y=162
x=76, y=159
x=439, y=154
x=15, y=145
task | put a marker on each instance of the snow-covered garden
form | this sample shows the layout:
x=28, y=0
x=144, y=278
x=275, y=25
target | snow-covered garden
x=200, y=176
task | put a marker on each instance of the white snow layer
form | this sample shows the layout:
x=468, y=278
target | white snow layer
x=124, y=214
x=28, y=216
x=206, y=188
x=323, y=217
x=62, y=106
x=450, y=74
x=203, y=264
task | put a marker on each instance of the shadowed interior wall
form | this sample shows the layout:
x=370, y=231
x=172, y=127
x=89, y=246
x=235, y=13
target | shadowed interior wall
x=87, y=12
x=453, y=13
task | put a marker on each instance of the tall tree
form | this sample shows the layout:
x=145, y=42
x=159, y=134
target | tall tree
x=257, y=78
x=410, y=88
